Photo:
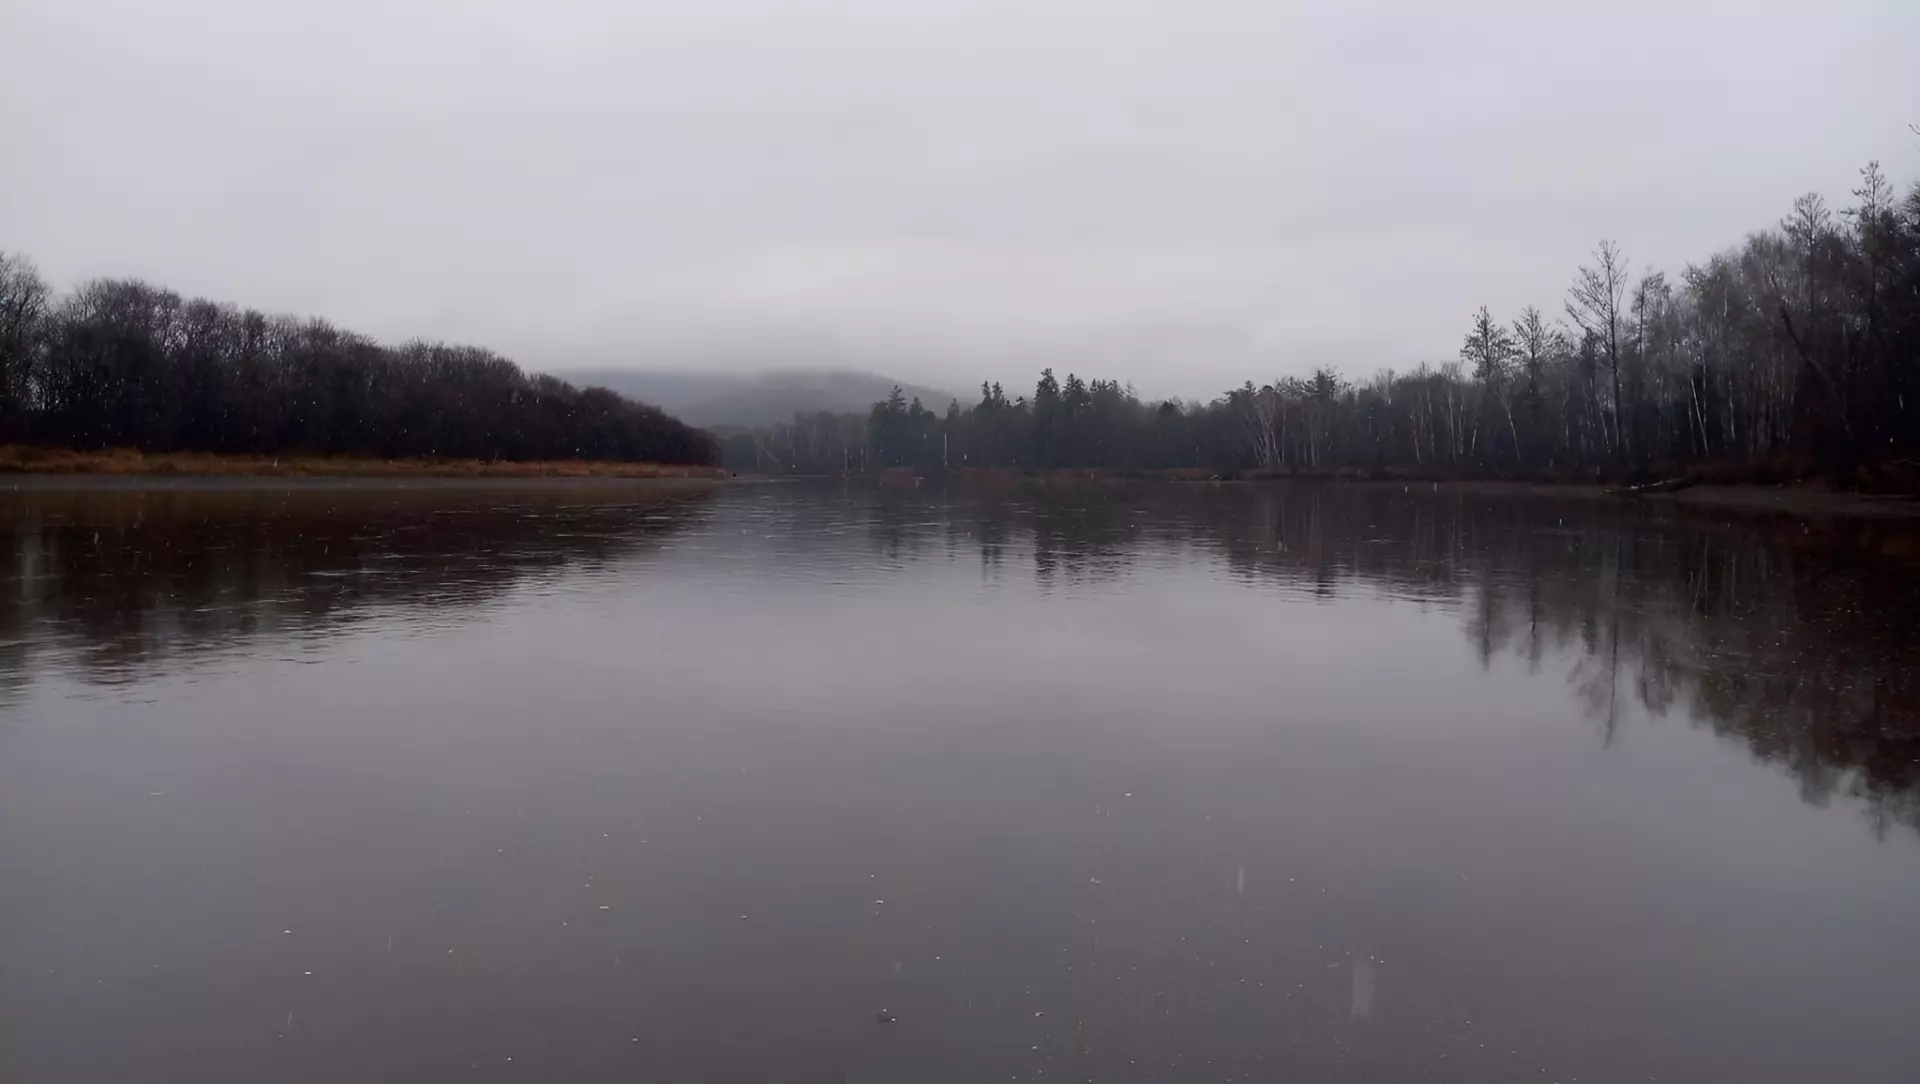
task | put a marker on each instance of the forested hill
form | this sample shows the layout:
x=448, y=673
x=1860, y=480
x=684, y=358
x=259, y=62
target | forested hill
x=1798, y=348
x=120, y=363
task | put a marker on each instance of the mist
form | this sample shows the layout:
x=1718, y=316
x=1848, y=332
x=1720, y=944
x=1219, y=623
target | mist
x=1181, y=196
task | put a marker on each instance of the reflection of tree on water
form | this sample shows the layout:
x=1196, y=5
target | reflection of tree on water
x=115, y=583
x=1799, y=651
x=1795, y=643
x=1793, y=640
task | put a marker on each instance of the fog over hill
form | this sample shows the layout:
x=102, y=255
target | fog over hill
x=724, y=399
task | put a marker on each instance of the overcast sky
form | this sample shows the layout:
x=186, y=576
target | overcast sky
x=1182, y=193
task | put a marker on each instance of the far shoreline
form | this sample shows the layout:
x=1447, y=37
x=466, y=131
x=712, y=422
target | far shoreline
x=26, y=467
x=1792, y=499
x=343, y=483
x=1805, y=500
x=32, y=469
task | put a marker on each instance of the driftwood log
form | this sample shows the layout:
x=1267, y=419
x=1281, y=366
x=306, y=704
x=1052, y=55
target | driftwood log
x=1671, y=485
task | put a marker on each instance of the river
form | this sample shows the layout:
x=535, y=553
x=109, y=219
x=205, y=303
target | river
x=844, y=783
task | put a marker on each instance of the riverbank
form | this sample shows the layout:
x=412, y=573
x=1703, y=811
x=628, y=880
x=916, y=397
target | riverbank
x=115, y=468
x=127, y=463
x=1797, y=499
x=1803, y=498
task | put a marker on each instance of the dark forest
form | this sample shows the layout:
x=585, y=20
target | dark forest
x=122, y=364
x=1797, y=349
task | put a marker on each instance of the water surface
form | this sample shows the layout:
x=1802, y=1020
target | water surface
x=1137, y=783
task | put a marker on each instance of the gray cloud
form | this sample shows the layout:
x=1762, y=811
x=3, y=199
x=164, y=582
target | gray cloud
x=1179, y=194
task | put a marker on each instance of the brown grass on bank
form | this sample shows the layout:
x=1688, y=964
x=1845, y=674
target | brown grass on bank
x=22, y=459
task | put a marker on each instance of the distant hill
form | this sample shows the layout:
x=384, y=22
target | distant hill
x=723, y=399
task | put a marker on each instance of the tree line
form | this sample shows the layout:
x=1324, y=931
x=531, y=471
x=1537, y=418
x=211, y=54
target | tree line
x=120, y=363
x=1800, y=345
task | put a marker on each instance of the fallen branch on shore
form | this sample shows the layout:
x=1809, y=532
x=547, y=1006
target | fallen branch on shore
x=1671, y=485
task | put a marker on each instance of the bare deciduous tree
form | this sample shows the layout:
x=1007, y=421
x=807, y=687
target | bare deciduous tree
x=1594, y=303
